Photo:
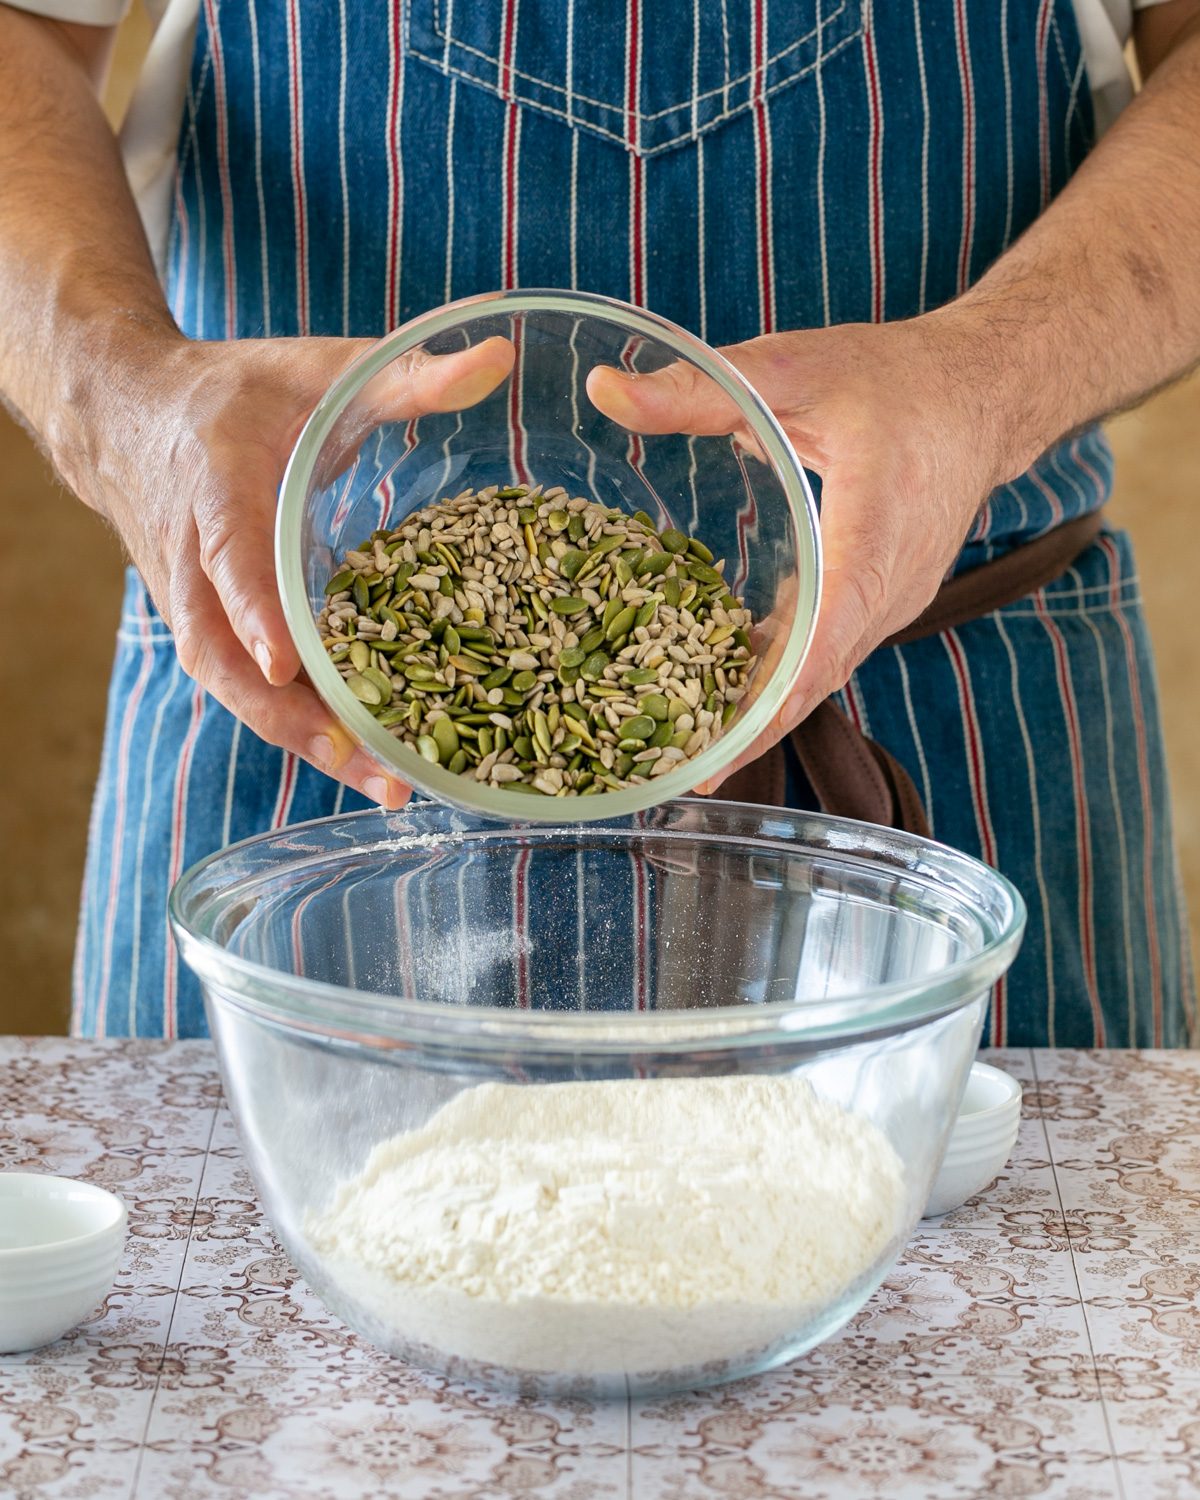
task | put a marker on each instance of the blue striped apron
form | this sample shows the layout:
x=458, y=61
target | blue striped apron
x=740, y=166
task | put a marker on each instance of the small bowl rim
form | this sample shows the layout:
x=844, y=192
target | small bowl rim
x=499, y=804
x=10, y=1254
x=1013, y=1095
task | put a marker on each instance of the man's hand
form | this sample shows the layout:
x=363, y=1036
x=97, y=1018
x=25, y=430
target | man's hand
x=911, y=424
x=186, y=465
x=907, y=452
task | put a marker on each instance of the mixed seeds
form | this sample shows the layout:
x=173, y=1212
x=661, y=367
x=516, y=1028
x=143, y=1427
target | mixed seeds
x=539, y=643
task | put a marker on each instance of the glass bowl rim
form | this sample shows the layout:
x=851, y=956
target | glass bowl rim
x=500, y=804
x=327, y=1009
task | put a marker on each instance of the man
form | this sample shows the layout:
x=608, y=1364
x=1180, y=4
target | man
x=910, y=189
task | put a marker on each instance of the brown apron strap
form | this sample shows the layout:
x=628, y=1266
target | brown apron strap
x=1011, y=577
x=853, y=776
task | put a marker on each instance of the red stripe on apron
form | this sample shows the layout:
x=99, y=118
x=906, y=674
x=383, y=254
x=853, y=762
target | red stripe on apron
x=118, y=837
x=395, y=71
x=1143, y=764
x=227, y=250
x=1083, y=838
x=968, y=160
x=977, y=776
x=296, y=97
x=178, y=833
x=762, y=152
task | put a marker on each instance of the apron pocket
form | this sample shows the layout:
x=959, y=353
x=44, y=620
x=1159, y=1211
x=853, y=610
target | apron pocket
x=647, y=77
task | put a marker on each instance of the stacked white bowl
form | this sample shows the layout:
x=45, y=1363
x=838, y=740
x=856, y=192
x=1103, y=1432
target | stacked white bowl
x=981, y=1141
x=60, y=1245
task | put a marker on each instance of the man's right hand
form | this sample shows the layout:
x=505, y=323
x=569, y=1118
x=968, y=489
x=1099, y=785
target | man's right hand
x=185, y=462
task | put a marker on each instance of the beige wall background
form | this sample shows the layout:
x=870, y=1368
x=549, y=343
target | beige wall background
x=52, y=701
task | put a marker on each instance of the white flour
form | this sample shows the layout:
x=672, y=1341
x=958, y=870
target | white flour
x=617, y=1227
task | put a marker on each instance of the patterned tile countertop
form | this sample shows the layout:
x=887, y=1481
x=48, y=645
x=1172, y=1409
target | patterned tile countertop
x=1042, y=1341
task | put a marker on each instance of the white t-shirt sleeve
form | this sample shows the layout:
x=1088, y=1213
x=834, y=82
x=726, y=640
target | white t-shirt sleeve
x=82, y=12
x=1104, y=28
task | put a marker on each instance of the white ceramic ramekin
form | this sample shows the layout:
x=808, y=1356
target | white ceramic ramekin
x=981, y=1141
x=60, y=1245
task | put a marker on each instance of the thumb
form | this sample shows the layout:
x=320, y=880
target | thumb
x=677, y=398
x=682, y=398
x=413, y=386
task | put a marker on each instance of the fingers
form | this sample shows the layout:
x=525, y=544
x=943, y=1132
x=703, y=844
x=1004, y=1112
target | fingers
x=236, y=538
x=290, y=715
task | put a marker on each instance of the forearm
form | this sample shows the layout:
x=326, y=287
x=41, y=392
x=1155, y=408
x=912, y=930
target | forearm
x=1098, y=303
x=80, y=297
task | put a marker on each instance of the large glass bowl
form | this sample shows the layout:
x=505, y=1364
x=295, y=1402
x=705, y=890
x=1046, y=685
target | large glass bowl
x=355, y=469
x=366, y=972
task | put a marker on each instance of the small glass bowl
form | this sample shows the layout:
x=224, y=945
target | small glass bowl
x=745, y=496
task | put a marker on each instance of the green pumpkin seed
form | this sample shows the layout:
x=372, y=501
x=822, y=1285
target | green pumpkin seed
x=457, y=763
x=593, y=669
x=541, y=730
x=698, y=549
x=523, y=745
x=645, y=614
x=640, y=515
x=496, y=679
x=661, y=737
x=468, y=664
x=622, y=624
x=360, y=655
x=573, y=656
x=590, y=641
x=654, y=564
x=524, y=681
x=427, y=748
x=566, y=604
x=656, y=706
x=445, y=736
x=557, y=520
x=364, y=690
x=638, y=676
x=568, y=676
x=673, y=540
x=340, y=581
x=570, y=563
x=383, y=683
x=576, y=526
x=640, y=727
x=362, y=594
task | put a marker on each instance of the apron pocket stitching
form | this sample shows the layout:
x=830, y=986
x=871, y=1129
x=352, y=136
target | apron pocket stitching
x=621, y=110
x=524, y=101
